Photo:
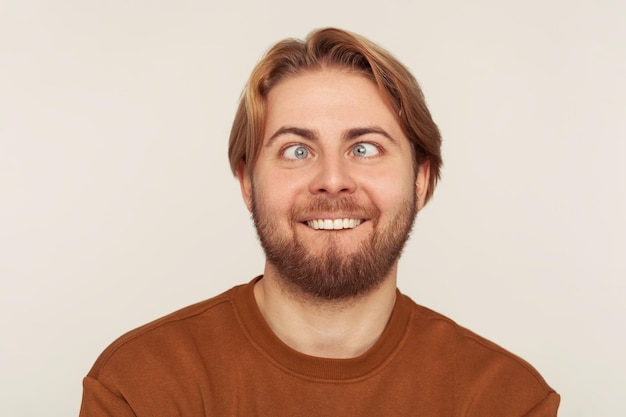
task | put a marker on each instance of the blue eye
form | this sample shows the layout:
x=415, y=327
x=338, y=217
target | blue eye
x=364, y=149
x=296, y=152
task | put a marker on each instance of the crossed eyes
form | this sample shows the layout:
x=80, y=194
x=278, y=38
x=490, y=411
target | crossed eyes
x=361, y=149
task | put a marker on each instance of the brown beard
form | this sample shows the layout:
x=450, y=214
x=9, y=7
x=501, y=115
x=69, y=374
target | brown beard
x=331, y=275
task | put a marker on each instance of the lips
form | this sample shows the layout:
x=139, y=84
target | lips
x=334, y=224
x=329, y=214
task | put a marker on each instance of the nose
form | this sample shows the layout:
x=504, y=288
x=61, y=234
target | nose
x=332, y=178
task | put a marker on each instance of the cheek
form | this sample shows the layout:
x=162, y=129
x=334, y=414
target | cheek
x=277, y=194
x=393, y=201
x=393, y=188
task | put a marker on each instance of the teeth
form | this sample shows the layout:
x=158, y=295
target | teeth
x=336, y=224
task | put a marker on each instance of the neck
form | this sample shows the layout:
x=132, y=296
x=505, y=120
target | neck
x=328, y=329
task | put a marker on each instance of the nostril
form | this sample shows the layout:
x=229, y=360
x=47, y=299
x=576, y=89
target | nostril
x=333, y=191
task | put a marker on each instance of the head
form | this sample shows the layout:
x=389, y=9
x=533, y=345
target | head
x=303, y=97
x=334, y=48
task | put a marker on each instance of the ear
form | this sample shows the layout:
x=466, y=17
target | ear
x=421, y=183
x=245, y=182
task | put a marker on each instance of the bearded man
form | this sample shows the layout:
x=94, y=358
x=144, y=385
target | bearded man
x=336, y=153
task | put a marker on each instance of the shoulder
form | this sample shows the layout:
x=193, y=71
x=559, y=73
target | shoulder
x=486, y=372
x=168, y=333
x=438, y=328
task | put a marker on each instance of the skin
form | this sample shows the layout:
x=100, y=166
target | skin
x=330, y=134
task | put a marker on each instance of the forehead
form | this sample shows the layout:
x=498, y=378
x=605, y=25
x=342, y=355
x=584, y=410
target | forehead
x=326, y=99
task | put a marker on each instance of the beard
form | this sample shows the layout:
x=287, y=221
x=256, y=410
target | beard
x=332, y=275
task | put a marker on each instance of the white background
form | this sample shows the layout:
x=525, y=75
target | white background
x=117, y=205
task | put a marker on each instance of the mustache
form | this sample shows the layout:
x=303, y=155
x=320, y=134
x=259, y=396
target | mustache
x=345, y=205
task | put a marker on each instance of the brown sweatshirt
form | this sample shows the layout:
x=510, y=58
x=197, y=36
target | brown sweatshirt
x=220, y=358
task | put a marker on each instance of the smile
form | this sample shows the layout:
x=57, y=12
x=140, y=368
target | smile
x=334, y=224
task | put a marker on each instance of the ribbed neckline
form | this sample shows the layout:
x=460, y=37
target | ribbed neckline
x=310, y=367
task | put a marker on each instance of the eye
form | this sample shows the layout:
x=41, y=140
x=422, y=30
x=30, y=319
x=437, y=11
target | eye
x=296, y=152
x=364, y=150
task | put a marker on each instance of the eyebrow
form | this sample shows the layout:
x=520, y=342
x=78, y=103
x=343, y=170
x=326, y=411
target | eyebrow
x=355, y=133
x=313, y=135
x=285, y=130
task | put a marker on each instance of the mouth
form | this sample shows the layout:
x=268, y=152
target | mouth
x=333, y=224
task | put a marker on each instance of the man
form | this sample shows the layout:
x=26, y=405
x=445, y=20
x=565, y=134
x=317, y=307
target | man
x=335, y=152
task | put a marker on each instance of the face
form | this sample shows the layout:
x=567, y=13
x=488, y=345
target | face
x=334, y=192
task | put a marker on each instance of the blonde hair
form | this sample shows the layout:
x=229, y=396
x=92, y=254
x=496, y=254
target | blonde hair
x=335, y=48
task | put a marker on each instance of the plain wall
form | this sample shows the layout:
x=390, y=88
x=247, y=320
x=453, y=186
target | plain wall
x=117, y=205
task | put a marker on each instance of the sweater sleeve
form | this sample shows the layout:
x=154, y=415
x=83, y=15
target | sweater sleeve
x=546, y=407
x=98, y=401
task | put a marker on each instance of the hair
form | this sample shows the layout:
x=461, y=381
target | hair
x=326, y=48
